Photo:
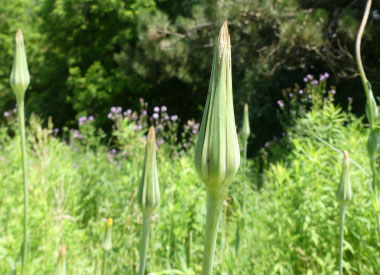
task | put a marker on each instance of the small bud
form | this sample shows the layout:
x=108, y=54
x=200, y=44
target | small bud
x=149, y=192
x=371, y=107
x=217, y=155
x=344, y=193
x=245, y=131
x=19, y=79
x=61, y=264
x=107, y=242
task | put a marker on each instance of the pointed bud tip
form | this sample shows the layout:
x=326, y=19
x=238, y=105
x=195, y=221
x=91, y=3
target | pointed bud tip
x=346, y=157
x=151, y=134
x=224, y=37
x=62, y=251
x=109, y=222
x=19, y=35
x=246, y=107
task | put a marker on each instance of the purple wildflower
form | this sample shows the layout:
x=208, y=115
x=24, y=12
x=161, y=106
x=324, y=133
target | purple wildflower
x=333, y=92
x=300, y=92
x=113, y=151
x=155, y=116
x=280, y=103
x=56, y=130
x=305, y=79
x=144, y=112
x=185, y=145
x=164, y=109
x=174, y=117
x=326, y=75
x=314, y=82
x=90, y=118
x=14, y=110
x=6, y=114
x=156, y=109
x=109, y=116
x=160, y=141
x=309, y=76
x=309, y=96
x=82, y=120
x=291, y=95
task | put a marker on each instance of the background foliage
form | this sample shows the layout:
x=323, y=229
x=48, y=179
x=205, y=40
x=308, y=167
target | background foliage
x=88, y=55
x=291, y=221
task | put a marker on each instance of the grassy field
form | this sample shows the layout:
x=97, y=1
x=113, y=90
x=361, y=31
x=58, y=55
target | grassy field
x=290, y=224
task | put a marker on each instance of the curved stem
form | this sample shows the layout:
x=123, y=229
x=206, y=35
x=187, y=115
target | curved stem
x=214, y=209
x=357, y=47
x=144, y=242
x=21, y=123
x=341, y=237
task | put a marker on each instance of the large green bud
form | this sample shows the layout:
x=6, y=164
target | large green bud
x=20, y=78
x=149, y=192
x=246, y=130
x=217, y=155
x=344, y=193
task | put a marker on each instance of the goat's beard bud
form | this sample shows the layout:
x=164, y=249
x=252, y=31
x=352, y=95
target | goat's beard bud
x=217, y=155
x=19, y=78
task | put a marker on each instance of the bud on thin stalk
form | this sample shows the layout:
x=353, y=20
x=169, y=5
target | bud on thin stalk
x=371, y=111
x=217, y=155
x=344, y=194
x=19, y=81
x=149, y=194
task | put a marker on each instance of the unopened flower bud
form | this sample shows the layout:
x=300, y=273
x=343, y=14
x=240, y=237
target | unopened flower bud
x=245, y=131
x=344, y=193
x=107, y=242
x=61, y=264
x=217, y=155
x=373, y=143
x=371, y=107
x=149, y=193
x=19, y=78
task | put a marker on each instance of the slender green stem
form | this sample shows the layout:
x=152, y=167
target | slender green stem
x=215, y=201
x=341, y=237
x=104, y=264
x=244, y=172
x=21, y=123
x=144, y=242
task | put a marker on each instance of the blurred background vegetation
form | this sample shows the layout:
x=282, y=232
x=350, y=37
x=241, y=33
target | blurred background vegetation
x=87, y=55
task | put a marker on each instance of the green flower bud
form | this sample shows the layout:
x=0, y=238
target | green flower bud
x=149, y=192
x=371, y=107
x=19, y=79
x=344, y=193
x=217, y=155
x=61, y=264
x=245, y=131
x=373, y=143
x=107, y=242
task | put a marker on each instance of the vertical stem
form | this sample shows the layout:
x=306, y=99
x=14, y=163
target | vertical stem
x=104, y=264
x=21, y=123
x=144, y=242
x=244, y=172
x=341, y=237
x=214, y=210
